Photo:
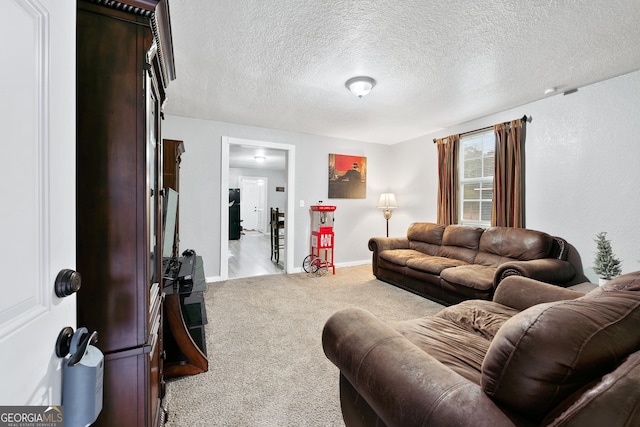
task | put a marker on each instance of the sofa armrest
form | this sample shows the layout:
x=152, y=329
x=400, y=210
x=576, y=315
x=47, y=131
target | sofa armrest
x=549, y=270
x=379, y=244
x=522, y=292
x=404, y=385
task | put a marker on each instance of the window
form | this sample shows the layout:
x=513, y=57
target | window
x=476, y=177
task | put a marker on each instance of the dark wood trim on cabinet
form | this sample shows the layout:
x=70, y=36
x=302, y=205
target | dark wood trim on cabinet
x=143, y=8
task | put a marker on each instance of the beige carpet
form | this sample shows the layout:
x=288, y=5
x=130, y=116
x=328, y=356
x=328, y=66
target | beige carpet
x=266, y=363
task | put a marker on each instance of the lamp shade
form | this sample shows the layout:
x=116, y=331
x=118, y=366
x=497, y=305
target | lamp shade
x=387, y=201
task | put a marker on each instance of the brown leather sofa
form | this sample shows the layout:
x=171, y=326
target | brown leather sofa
x=449, y=264
x=537, y=355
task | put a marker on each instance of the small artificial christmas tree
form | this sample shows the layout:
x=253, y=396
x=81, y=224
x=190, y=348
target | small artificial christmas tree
x=606, y=265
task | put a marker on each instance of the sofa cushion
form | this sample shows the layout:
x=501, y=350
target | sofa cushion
x=399, y=256
x=462, y=236
x=461, y=242
x=433, y=264
x=455, y=347
x=472, y=276
x=483, y=318
x=458, y=336
x=425, y=237
x=426, y=232
x=543, y=354
x=425, y=248
x=515, y=243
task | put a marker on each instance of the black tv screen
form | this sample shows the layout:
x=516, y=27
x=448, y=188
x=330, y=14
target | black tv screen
x=169, y=222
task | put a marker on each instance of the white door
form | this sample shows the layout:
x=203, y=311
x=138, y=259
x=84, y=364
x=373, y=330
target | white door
x=253, y=201
x=37, y=189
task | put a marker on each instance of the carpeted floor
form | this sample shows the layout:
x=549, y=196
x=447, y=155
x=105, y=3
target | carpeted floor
x=266, y=363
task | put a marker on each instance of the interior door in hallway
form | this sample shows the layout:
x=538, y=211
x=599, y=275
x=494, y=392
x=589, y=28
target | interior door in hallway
x=37, y=183
x=253, y=203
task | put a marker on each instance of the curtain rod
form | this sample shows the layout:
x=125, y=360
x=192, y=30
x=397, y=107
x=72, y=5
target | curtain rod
x=524, y=119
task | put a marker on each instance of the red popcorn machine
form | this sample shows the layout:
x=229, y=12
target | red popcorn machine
x=321, y=257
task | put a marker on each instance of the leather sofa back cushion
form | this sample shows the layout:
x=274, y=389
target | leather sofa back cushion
x=425, y=248
x=461, y=242
x=426, y=232
x=516, y=243
x=543, y=354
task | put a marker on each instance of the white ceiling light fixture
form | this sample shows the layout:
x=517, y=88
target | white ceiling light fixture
x=360, y=86
x=260, y=159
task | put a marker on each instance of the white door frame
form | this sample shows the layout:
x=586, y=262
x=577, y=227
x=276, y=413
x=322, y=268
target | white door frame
x=224, y=200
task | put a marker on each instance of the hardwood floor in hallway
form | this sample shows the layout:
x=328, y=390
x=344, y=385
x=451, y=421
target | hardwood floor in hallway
x=251, y=256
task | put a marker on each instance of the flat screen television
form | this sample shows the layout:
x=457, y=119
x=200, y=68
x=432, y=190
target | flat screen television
x=169, y=222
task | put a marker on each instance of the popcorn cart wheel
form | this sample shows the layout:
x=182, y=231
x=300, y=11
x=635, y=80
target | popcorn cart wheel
x=316, y=267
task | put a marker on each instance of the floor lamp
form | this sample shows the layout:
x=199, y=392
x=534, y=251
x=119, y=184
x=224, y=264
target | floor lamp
x=388, y=203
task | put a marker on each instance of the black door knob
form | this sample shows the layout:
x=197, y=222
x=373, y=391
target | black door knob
x=67, y=282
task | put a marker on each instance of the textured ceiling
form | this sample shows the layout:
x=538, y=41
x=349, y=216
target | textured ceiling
x=244, y=157
x=282, y=64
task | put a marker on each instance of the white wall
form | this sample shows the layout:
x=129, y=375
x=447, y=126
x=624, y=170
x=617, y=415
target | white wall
x=356, y=220
x=582, y=168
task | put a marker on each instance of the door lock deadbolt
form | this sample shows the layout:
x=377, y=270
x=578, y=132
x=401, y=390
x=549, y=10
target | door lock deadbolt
x=67, y=282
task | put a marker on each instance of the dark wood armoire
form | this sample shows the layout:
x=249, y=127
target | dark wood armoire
x=124, y=64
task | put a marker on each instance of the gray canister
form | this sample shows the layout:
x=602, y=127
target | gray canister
x=82, y=389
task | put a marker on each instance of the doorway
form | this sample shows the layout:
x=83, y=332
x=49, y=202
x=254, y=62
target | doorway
x=286, y=258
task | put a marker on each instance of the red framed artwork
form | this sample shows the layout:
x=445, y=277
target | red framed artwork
x=347, y=177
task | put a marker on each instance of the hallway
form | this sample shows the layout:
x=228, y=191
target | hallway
x=251, y=256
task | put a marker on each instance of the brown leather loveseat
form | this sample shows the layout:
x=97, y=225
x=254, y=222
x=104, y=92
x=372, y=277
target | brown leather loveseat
x=537, y=355
x=453, y=263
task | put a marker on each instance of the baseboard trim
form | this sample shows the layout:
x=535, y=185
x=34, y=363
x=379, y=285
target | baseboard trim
x=212, y=279
x=340, y=265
